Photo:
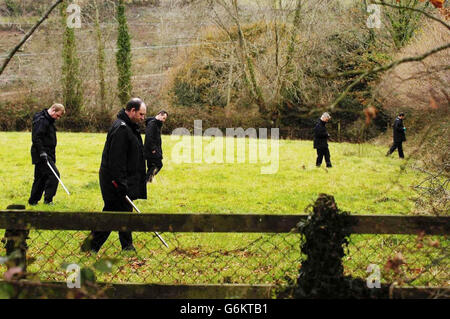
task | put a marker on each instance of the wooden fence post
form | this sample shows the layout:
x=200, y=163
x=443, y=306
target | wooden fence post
x=16, y=244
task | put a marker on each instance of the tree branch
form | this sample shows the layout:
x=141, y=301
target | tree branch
x=417, y=10
x=25, y=38
x=344, y=94
x=365, y=73
x=390, y=65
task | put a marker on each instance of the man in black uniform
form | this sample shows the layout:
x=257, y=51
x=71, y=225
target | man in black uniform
x=321, y=140
x=122, y=171
x=399, y=136
x=152, y=147
x=43, y=137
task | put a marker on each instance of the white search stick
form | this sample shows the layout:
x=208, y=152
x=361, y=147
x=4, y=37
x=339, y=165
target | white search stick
x=137, y=209
x=56, y=175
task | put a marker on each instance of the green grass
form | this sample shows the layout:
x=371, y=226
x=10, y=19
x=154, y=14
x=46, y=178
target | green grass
x=362, y=180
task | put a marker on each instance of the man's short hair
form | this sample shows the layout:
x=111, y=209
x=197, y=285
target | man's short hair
x=162, y=112
x=134, y=103
x=58, y=107
x=401, y=114
x=325, y=116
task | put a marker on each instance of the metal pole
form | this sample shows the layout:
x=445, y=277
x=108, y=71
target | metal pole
x=56, y=175
x=137, y=209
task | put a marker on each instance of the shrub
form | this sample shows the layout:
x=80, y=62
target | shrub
x=72, y=84
x=211, y=75
x=324, y=240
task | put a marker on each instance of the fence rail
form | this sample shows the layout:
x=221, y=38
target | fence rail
x=239, y=223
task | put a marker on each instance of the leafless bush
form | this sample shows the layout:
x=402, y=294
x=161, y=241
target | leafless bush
x=270, y=58
x=419, y=85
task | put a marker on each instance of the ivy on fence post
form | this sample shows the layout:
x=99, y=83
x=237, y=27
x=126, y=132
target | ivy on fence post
x=325, y=235
x=16, y=248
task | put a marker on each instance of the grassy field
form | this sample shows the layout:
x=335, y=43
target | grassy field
x=362, y=180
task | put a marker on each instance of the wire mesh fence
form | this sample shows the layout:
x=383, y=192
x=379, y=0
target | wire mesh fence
x=238, y=258
x=406, y=260
x=192, y=257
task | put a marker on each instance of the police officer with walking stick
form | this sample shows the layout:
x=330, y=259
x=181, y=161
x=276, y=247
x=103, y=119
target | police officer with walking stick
x=122, y=171
x=43, y=155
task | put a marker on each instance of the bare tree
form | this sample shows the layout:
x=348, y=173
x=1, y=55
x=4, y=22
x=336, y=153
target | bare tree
x=362, y=74
x=241, y=50
x=28, y=35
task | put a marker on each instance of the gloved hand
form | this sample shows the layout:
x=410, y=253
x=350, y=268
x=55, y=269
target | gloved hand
x=43, y=156
x=404, y=129
x=122, y=190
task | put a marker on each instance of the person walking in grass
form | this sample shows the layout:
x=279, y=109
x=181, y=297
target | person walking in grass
x=321, y=140
x=43, y=137
x=152, y=147
x=122, y=171
x=399, y=136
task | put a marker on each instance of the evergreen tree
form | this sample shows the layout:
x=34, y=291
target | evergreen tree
x=72, y=84
x=123, y=55
x=100, y=59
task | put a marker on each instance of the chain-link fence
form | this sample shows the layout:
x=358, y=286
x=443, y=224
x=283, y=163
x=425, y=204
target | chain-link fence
x=192, y=258
x=327, y=253
x=407, y=260
x=241, y=258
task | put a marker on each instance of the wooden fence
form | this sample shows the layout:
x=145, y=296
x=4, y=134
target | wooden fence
x=208, y=223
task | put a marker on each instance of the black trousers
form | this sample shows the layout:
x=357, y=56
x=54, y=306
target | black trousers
x=97, y=238
x=399, y=147
x=154, y=165
x=321, y=153
x=44, y=181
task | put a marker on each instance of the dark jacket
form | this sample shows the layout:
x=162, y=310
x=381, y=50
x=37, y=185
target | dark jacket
x=123, y=160
x=153, y=139
x=320, y=135
x=43, y=136
x=399, y=131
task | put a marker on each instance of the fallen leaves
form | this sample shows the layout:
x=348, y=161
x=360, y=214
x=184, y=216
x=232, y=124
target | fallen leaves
x=433, y=104
x=395, y=262
x=136, y=263
x=445, y=13
x=12, y=273
x=437, y=3
x=370, y=113
x=434, y=243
